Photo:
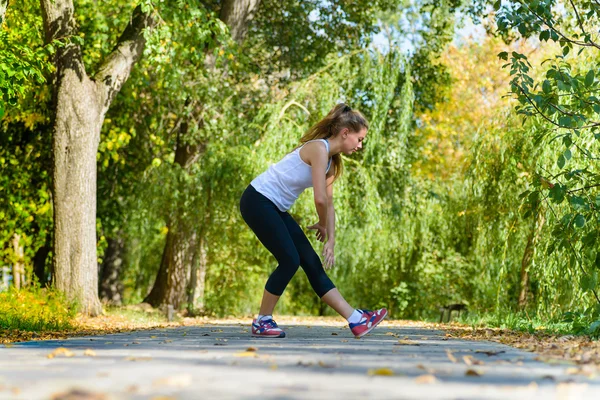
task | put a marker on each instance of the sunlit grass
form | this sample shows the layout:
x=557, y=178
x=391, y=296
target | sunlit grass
x=137, y=314
x=35, y=309
x=520, y=322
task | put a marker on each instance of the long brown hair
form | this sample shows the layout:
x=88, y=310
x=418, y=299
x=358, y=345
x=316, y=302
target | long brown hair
x=341, y=116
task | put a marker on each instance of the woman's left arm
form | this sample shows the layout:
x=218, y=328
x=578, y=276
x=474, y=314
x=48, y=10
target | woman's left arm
x=328, y=249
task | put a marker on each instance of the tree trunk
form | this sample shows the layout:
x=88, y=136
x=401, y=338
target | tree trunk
x=173, y=275
x=176, y=265
x=39, y=264
x=111, y=287
x=197, y=287
x=18, y=264
x=3, y=7
x=538, y=221
x=80, y=104
x=198, y=280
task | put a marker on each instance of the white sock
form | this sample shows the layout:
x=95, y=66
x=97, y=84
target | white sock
x=260, y=316
x=355, y=317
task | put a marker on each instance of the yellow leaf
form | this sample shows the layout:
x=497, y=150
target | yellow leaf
x=404, y=342
x=138, y=358
x=246, y=354
x=324, y=365
x=381, y=372
x=251, y=349
x=472, y=372
x=89, y=353
x=423, y=379
x=450, y=356
x=61, y=351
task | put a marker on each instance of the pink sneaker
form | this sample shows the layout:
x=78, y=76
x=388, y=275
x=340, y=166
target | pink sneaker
x=369, y=320
x=267, y=328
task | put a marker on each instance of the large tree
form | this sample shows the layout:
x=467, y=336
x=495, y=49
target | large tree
x=80, y=102
x=182, y=240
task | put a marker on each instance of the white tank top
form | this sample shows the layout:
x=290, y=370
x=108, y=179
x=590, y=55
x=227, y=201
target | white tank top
x=283, y=182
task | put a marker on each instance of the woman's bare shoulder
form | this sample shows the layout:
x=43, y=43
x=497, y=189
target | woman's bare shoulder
x=313, y=151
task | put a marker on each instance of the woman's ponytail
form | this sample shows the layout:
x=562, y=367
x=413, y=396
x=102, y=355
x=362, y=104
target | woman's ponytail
x=341, y=116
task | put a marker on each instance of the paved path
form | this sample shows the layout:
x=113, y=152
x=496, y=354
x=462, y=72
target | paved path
x=313, y=362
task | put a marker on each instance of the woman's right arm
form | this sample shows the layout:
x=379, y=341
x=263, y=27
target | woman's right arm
x=317, y=155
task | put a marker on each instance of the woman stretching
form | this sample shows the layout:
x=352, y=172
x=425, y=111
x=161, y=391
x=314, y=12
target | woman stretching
x=317, y=162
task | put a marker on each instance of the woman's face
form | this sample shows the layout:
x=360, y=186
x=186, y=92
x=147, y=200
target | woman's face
x=352, y=140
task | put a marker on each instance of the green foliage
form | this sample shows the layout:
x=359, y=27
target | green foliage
x=22, y=66
x=35, y=309
x=562, y=97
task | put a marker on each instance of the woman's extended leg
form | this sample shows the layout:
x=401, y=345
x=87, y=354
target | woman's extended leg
x=334, y=299
x=361, y=321
x=313, y=267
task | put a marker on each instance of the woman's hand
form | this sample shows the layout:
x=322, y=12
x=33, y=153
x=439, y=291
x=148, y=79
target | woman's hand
x=328, y=254
x=321, y=231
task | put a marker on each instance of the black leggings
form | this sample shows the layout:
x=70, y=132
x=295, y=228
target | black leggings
x=282, y=236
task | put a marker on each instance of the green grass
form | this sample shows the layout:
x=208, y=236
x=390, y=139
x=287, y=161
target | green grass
x=37, y=310
x=520, y=322
x=137, y=314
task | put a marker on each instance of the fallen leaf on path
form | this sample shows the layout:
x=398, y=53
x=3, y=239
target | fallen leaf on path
x=175, y=380
x=584, y=370
x=245, y=354
x=334, y=334
x=251, y=348
x=404, y=342
x=8, y=345
x=470, y=360
x=344, y=340
x=304, y=364
x=135, y=342
x=152, y=337
x=131, y=358
x=425, y=379
x=325, y=365
x=472, y=372
x=273, y=367
x=451, y=357
x=78, y=394
x=132, y=389
x=89, y=353
x=381, y=372
x=205, y=334
x=490, y=353
x=61, y=351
